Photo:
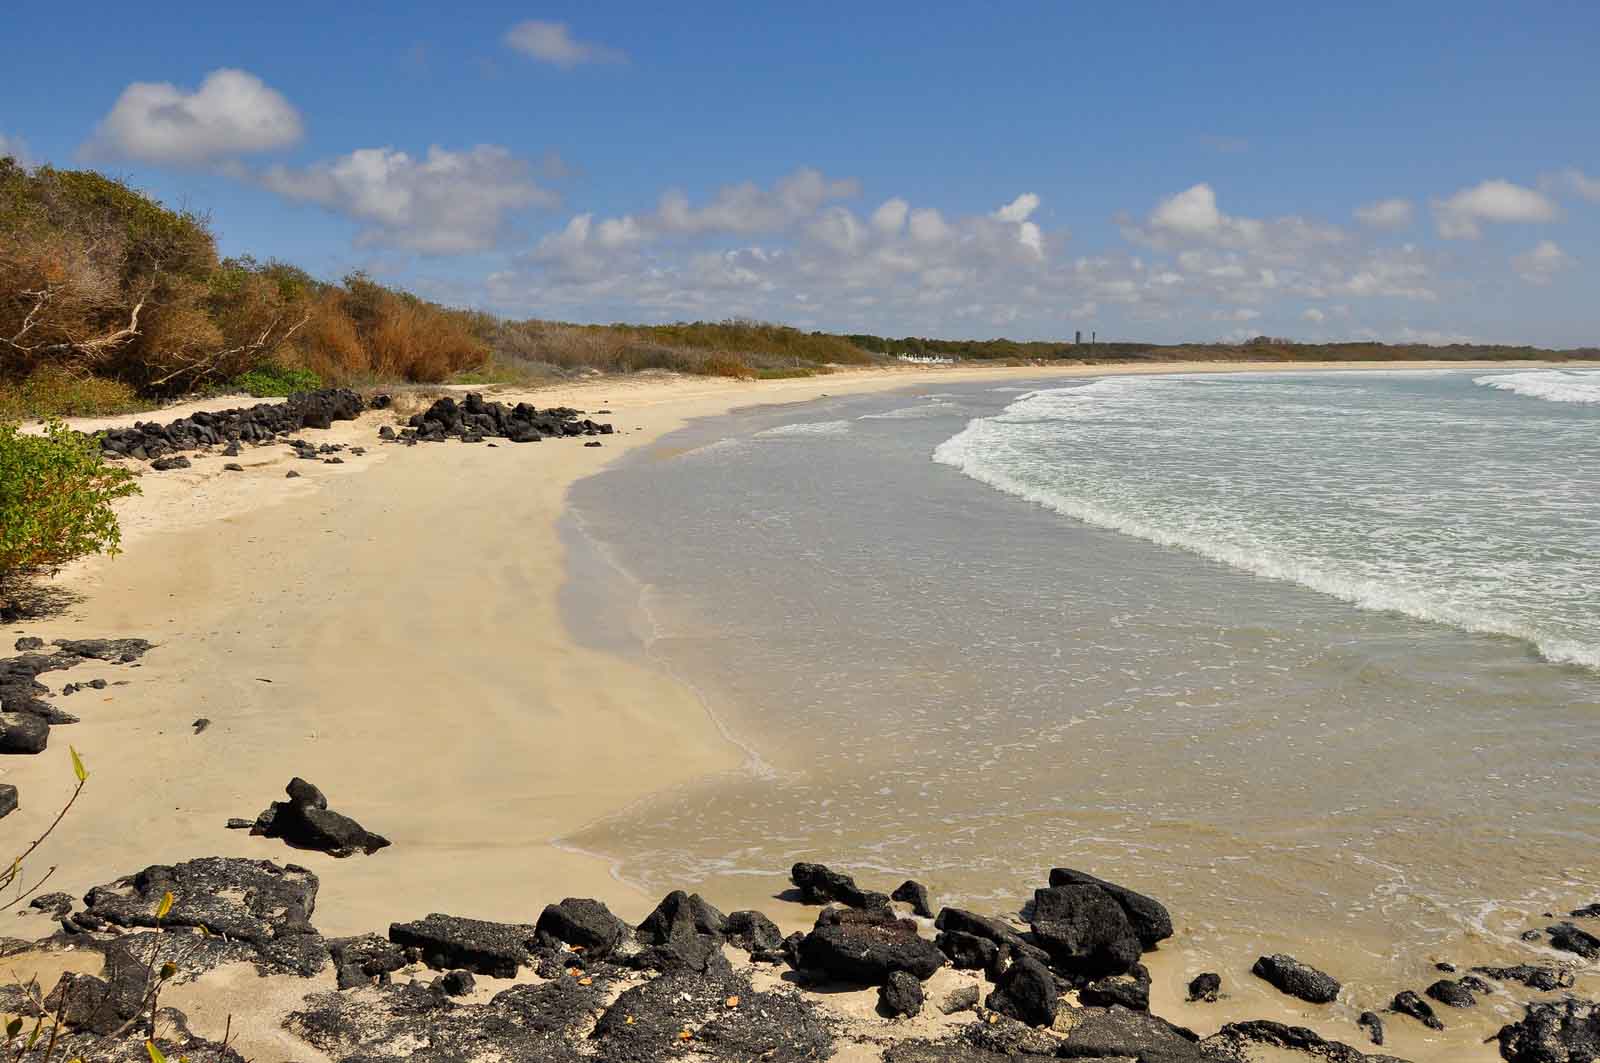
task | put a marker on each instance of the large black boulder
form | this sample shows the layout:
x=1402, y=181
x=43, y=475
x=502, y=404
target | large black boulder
x=1451, y=993
x=961, y=921
x=252, y=901
x=1149, y=917
x=967, y=952
x=682, y=933
x=1561, y=1031
x=900, y=996
x=1027, y=992
x=1569, y=938
x=753, y=932
x=915, y=894
x=1297, y=979
x=1085, y=931
x=866, y=947
x=449, y=942
x=306, y=822
x=820, y=884
x=583, y=923
x=1118, y=1033
x=22, y=732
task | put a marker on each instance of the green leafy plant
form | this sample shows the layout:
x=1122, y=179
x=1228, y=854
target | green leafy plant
x=56, y=495
x=273, y=380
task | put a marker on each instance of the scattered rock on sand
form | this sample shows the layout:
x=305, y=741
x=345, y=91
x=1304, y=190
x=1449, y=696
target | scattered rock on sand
x=962, y=998
x=900, y=996
x=1569, y=938
x=448, y=942
x=1027, y=992
x=257, y=902
x=579, y=921
x=305, y=821
x=820, y=884
x=1118, y=1033
x=915, y=894
x=1085, y=931
x=1544, y=979
x=1131, y=990
x=866, y=947
x=168, y=464
x=57, y=904
x=1149, y=917
x=23, y=733
x=1373, y=1024
x=682, y=933
x=8, y=799
x=1205, y=987
x=1451, y=994
x=1562, y=1031
x=1408, y=1003
x=28, y=643
x=753, y=932
x=1236, y=1041
x=1297, y=979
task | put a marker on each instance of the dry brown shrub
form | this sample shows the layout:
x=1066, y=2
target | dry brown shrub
x=329, y=345
x=420, y=343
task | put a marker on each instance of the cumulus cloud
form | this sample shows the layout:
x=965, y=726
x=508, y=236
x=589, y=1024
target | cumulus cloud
x=1460, y=216
x=1019, y=209
x=1192, y=217
x=1385, y=214
x=232, y=113
x=1541, y=263
x=443, y=203
x=1314, y=315
x=553, y=43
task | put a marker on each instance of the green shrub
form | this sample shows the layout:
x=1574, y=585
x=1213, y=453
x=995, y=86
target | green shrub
x=55, y=498
x=273, y=380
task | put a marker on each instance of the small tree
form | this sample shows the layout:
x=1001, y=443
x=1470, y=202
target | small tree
x=56, y=492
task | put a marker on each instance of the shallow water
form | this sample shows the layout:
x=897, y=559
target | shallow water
x=1285, y=650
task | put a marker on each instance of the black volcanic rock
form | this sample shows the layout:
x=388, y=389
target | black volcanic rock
x=1118, y=1033
x=1544, y=979
x=1570, y=938
x=820, y=884
x=967, y=952
x=753, y=932
x=449, y=942
x=583, y=923
x=1373, y=1024
x=900, y=995
x=305, y=821
x=1149, y=917
x=1131, y=990
x=1085, y=930
x=1408, y=1003
x=1206, y=987
x=1028, y=993
x=1563, y=1031
x=1451, y=994
x=865, y=947
x=256, y=902
x=915, y=894
x=1297, y=979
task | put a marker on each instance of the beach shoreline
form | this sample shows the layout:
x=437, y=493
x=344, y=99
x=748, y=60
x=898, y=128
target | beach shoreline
x=391, y=628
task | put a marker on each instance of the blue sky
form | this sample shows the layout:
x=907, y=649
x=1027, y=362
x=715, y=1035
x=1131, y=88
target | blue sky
x=1417, y=171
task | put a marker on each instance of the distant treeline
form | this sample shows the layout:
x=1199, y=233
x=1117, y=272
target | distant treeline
x=110, y=300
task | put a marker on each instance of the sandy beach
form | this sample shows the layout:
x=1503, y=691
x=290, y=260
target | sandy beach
x=391, y=629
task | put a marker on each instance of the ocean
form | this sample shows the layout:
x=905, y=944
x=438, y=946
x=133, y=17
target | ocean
x=1313, y=657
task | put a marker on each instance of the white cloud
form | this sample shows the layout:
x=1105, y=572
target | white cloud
x=891, y=216
x=444, y=203
x=1240, y=314
x=1385, y=214
x=1192, y=217
x=1314, y=315
x=553, y=43
x=1019, y=209
x=1190, y=213
x=1576, y=182
x=232, y=113
x=16, y=148
x=1459, y=217
x=1540, y=264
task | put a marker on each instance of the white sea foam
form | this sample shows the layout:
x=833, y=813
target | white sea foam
x=807, y=428
x=1255, y=479
x=1552, y=385
x=937, y=408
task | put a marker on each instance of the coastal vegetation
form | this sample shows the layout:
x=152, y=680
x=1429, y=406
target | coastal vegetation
x=56, y=495
x=111, y=302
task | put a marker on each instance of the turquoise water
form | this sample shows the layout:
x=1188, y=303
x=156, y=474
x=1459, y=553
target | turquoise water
x=1467, y=500
x=1309, y=656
